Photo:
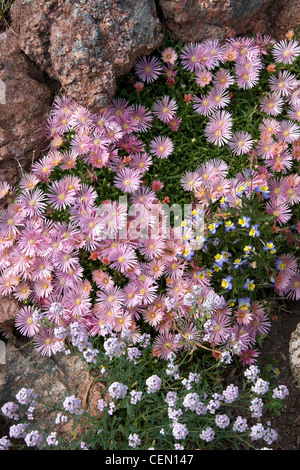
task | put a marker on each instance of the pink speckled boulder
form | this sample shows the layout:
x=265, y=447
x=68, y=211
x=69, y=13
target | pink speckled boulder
x=86, y=45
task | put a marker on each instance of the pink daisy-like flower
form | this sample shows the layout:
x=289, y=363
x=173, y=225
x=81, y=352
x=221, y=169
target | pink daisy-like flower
x=259, y=325
x=10, y=223
x=214, y=51
x=174, y=123
x=61, y=121
x=229, y=54
x=123, y=321
x=169, y=72
x=289, y=131
x=294, y=111
x=4, y=189
x=26, y=320
x=221, y=328
x=282, y=161
x=148, y=69
x=189, y=180
x=44, y=342
x=278, y=188
x=285, y=52
x=243, y=317
x=28, y=181
x=208, y=54
x=128, y=180
x=164, y=345
x=77, y=302
x=81, y=143
x=118, y=106
x=190, y=57
x=169, y=55
x=211, y=169
x=41, y=268
x=269, y=127
x=129, y=143
x=264, y=147
x=174, y=270
x=59, y=197
x=293, y=188
x=241, y=143
x=141, y=162
x=161, y=146
x=218, y=97
x=63, y=103
x=81, y=119
x=43, y=287
x=157, y=185
x=102, y=279
x=112, y=298
x=123, y=258
x=287, y=263
x=69, y=160
x=33, y=202
x=223, y=79
x=218, y=128
x=152, y=315
x=283, y=84
x=248, y=356
x=144, y=196
x=86, y=196
x=43, y=168
x=30, y=239
x=143, y=117
x=293, y=286
x=7, y=283
x=203, y=105
x=156, y=268
x=131, y=295
x=246, y=79
x=272, y=104
x=152, y=248
x=128, y=122
x=281, y=282
x=280, y=210
x=203, y=77
x=22, y=291
x=148, y=290
x=165, y=108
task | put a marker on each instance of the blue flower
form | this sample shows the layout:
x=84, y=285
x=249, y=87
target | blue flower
x=249, y=284
x=245, y=222
x=229, y=226
x=244, y=303
x=226, y=283
x=254, y=231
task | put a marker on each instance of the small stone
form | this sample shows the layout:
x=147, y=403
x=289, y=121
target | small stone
x=294, y=354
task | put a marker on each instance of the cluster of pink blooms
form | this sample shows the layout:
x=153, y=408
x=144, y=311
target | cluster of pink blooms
x=41, y=257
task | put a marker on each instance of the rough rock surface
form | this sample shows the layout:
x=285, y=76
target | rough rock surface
x=9, y=307
x=86, y=45
x=26, y=100
x=294, y=354
x=197, y=20
x=52, y=378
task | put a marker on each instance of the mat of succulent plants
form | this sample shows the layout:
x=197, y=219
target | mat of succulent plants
x=154, y=239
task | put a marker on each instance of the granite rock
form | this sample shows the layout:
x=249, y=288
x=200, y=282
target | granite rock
x=25, y=102
x=194, y=21
x=86, y=45
x=52, y=378
x=294, y=354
